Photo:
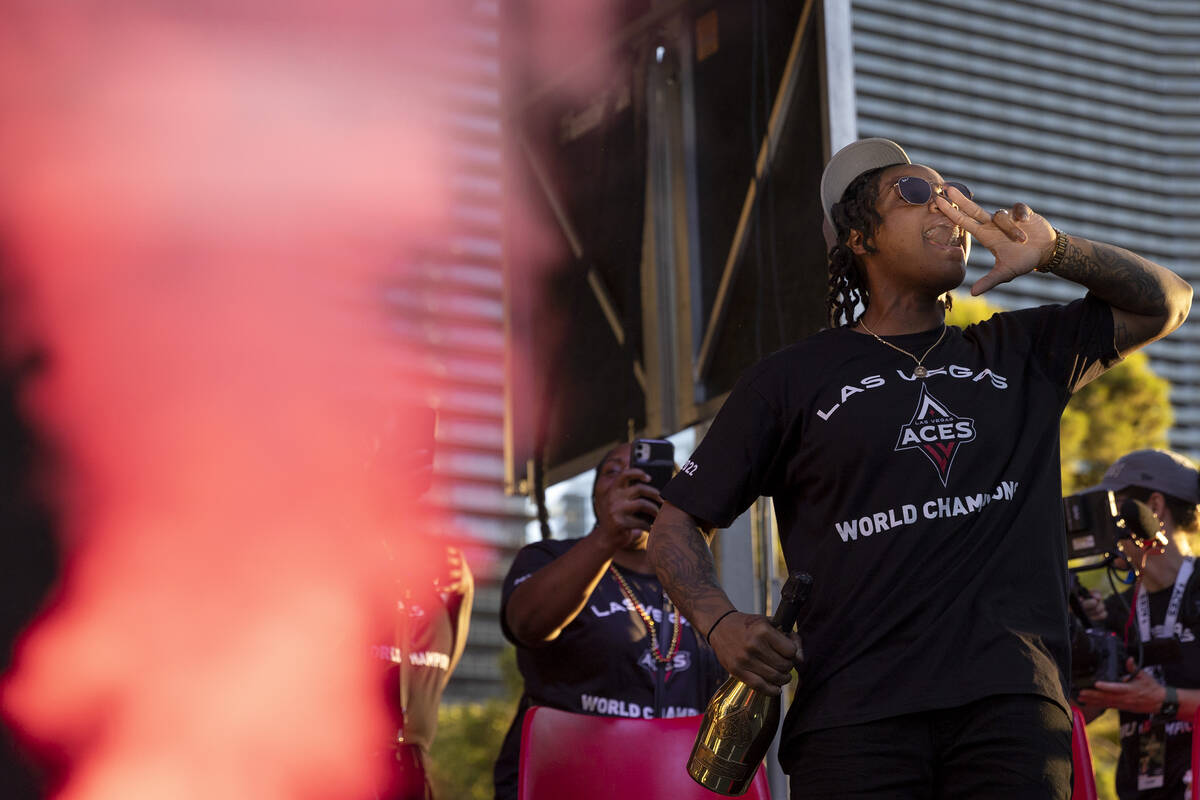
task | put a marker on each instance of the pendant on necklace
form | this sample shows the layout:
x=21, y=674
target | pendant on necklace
x=920, y=371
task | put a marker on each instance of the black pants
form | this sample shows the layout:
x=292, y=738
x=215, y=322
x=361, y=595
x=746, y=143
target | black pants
x=1007, y=746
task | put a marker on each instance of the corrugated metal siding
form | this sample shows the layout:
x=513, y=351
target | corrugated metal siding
x=1088, y=111
x=450, y=307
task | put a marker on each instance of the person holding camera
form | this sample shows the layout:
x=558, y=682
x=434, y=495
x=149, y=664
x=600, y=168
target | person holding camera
x=594, y=630
x=914, y=472
x=1157, y=703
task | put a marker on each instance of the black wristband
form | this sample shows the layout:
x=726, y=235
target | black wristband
x=1170, y=706
x=713, y=627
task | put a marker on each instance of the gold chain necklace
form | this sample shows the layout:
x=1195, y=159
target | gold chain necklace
x=920, y=371
x=641, y=611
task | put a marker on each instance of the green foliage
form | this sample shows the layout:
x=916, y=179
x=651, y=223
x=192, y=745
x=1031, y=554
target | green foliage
x=468, y=740
x=967, y=310
x=1105, y=741
x=469, y=737
x=1127, y=408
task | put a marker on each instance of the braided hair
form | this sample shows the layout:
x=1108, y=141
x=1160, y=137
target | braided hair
x=847, y=284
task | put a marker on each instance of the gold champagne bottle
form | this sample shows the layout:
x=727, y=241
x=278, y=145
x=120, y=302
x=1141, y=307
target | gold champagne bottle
x=739, y=722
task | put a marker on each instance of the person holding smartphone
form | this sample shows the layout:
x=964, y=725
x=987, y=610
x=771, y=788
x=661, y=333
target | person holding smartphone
x=594, y=630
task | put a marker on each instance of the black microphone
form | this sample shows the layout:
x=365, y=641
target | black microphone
x=1140, y=521
x=1075, y=597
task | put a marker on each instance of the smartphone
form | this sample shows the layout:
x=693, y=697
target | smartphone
x=655, y=457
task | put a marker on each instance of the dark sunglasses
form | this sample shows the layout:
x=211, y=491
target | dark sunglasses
x=918, y=191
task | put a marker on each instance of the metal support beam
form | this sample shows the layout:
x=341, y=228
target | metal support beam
x=766, y=155
x=599, y=291
x=837, y=75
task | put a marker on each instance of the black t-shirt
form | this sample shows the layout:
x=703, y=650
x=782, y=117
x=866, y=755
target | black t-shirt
x=601, y=663
x=1182, y=674
x=928, y=511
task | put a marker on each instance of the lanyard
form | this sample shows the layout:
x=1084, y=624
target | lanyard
x=1143, y=606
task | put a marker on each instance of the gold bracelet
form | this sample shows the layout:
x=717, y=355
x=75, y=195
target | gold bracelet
x=1060, y=252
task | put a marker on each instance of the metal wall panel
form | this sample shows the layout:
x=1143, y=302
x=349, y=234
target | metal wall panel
x=1088, y=111
x=448, y=307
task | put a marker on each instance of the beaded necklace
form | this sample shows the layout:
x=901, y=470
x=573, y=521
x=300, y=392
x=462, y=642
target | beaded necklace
x=641, y=611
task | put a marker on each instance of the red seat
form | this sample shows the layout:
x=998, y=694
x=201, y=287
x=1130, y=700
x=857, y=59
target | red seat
x=1081, y=759
x=1195, y=754
x=586, y=757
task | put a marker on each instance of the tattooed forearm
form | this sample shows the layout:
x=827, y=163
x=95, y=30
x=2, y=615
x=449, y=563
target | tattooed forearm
x=1156, y=300
x=679, y=551
x=683, y=560
x=1122, y=278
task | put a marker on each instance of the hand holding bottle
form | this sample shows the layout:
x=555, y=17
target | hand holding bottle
x=740, y=720
x=753, y=650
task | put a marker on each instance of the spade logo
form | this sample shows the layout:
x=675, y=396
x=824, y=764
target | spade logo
x=937, y=432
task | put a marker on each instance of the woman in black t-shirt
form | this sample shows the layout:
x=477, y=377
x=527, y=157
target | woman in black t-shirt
x=594, y=630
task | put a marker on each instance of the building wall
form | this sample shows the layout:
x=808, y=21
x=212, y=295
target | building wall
x=449, y=305
x=1087, y=110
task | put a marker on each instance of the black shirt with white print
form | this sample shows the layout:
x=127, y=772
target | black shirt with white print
x=1182, y=674
x=601, y=663
x=928, y=511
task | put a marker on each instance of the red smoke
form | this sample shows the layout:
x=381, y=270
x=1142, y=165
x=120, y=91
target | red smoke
x=202, y=201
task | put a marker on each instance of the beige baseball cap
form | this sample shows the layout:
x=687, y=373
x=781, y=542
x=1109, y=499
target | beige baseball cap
x=848, y=163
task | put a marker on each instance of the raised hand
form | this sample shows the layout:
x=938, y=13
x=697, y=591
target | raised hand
x=1020, y=239
x=626, y=508
x=1093, y=606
